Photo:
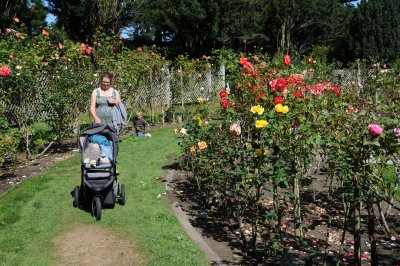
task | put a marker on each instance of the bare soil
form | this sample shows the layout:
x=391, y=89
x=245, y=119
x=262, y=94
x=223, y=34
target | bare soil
x=95, y=245
x=225, y=239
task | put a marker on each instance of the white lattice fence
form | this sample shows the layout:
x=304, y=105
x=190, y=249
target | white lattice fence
x=351, y=78
x=167, y=87
x=28, y=108
x=187, y=88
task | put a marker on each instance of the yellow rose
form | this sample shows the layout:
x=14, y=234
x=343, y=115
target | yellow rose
x=260, y=152
x=257, y=109
x=261, y=123
x=281, y=109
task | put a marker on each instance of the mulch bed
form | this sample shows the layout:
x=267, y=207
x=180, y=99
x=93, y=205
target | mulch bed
x=315, y=208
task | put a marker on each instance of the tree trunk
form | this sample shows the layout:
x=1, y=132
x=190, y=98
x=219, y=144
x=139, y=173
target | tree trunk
x=357, y=227
x=297, y=208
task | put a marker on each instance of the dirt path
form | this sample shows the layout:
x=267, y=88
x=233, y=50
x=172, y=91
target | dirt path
x=95, y=245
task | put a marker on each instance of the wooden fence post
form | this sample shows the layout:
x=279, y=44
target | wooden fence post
x=167, y=85
x=151, y=96
x=221, y=76
x=182, y=99
x=209, y=80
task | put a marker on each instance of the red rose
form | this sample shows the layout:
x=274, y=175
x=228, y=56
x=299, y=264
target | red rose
x=278, y=100
x=224, y=102
x=223, y=93
x=286, y=60
x=336, y=90
x=281, y=84
x=297, y=94
x=242, y=60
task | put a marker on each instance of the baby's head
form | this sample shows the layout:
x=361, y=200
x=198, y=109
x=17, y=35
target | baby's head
x=139, y=114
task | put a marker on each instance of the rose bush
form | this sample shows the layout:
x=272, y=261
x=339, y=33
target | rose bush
x=288, y=119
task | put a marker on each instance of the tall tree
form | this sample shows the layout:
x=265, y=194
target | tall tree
x=150, y=22
x=301, y=24
x=38, y=14
x=376, y=30
x=198, y=26
x=9, y=9
x=82, y=18
x=242, y=24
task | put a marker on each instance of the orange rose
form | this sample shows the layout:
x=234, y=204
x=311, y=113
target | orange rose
x=202, y=145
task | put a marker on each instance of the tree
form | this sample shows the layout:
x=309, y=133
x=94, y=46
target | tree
x=376, y=30
x=11, y=9
x=239, y=30
x=197, y=27
x=38, y=14
x=81, y=19
x=299, y=25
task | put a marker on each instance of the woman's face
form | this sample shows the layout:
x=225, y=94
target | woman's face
x=105, y=83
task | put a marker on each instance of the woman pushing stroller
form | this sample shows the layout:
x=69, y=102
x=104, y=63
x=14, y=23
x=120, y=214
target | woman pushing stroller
x=106, y=107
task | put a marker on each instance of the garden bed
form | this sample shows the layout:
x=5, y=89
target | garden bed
x=317, y=247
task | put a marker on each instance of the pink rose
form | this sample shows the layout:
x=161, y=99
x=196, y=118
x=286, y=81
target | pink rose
x=5, y=71
x=235, y=128
x=286, y=60
x=88, y=50
x=375, y=129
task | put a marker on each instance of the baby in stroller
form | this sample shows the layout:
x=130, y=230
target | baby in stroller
x=98, y=146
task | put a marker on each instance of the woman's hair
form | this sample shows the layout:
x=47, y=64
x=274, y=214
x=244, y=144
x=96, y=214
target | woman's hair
x=107, y=75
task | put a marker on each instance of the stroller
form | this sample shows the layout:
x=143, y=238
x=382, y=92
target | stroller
x=99, y=182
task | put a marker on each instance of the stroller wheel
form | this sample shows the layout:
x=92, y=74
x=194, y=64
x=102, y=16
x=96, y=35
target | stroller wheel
x=77, y=195
x=121, y=199
x=96, y=208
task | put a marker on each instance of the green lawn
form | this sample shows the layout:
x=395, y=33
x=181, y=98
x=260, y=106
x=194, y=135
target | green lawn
x=41, y=208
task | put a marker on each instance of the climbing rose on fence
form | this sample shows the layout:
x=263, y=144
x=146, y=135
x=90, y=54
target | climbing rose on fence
x=5, y=71
x=223, y=93
x=225, y=102
x=375, y=129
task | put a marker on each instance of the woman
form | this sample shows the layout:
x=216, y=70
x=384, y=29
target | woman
x=103, y=100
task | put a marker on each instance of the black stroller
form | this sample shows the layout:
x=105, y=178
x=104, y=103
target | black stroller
x=99, y=182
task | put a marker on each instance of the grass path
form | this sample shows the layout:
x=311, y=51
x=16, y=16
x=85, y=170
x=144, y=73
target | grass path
x=40, y=210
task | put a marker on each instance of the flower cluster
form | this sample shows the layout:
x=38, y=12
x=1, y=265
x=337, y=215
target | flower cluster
x=5, y=71
x=224, y=99
x=375, y=129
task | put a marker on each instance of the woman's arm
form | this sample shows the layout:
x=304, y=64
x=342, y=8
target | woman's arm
x=92, y=109
x=117, y=99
